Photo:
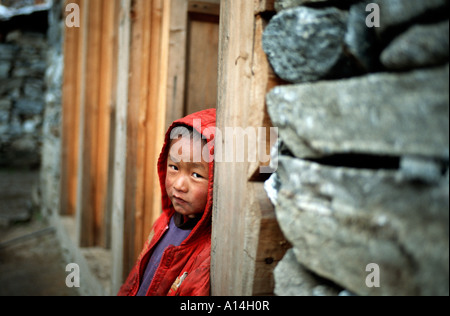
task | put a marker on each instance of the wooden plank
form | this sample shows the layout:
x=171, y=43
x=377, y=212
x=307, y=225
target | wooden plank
x=247, y=243
x=101, y=166
x=118, y=198
x=86, y=174
x=161, y=115
x=177, y=56
x=211, y=7
x=131, y=169
x=258, y=115
x=201, y=90
x=151, y=133
x=99, y=68
x=264, y=80
x=71, y=92
x=229, y=262
x=132, y=122
x=138, y=91
x=107, y=102
x=269, y=245
x=262, y=6
x=146, y=121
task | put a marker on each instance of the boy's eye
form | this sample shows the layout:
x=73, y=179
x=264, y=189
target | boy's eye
x=197, y=176
x=173, y=167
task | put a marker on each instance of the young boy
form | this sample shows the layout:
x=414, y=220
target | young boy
x=176, y=257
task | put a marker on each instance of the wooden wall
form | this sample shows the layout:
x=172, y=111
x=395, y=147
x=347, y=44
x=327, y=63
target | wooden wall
x=88, y=107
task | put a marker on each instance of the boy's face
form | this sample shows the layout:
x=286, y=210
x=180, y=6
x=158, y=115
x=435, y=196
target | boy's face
x=186, y=180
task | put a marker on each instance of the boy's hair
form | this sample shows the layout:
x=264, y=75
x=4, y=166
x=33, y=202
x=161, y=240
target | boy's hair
x=187, y=131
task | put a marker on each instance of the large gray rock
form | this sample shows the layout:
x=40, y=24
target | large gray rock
x=361, y=41
x=420, y=46
x=339, y=220
x=5, y=107
x=380, y=114
x=287, y=4
x=33, y=88
x=29, y=107
x=5, y=67
x=395, y=13
x=8, y=51
x=10, y=86
x=306, y=44
x=292, y=279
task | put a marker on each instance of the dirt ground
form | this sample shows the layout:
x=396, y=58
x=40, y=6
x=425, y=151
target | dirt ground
x=31, y=261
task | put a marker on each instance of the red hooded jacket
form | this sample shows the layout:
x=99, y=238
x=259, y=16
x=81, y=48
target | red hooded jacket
x=184, y=270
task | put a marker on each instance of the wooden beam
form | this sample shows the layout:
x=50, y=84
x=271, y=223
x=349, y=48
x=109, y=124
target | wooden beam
x=107, y=103
x=159, y=128
x=71, y=99
x=146, y=121
x=156, y=111
x=246, y=240
x=88, y=141
x=258, y=116
x=264, y=80
x=267, y=243
x=177, y=57
x=211, y=7
x=203, y=45
x=229, y=263
x=118, y=246
x=97, y=106
x=264, y=6
x=137, y=91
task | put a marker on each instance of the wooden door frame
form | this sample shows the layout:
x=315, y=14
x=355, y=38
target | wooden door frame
x=246, y=240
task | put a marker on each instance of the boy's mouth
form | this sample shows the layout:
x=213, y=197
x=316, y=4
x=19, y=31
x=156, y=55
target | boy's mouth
x=179, y=200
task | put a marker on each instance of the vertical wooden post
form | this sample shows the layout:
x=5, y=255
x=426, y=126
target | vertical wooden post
x=229, y=264
x=120, y=155
x=150, y=128
x=96, y=105
x=246, y=239
x=157, y=109
x=71, y=99
x=107, y=102
x=177, y=57
x=88, y=138
x=134, y=161
x=155, y=114
x=146, y=120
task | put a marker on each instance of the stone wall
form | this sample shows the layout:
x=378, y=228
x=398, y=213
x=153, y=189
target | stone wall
x=51, y=127
x=364, y=146
x=23, y=52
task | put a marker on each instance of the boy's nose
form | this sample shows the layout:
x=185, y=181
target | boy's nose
x=180, y=184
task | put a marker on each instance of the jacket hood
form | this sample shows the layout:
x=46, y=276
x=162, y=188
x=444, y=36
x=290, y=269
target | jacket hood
x=204, y=122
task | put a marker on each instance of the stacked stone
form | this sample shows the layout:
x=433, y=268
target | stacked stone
x=51, y=127
x=363, y=161
x=22, y=68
